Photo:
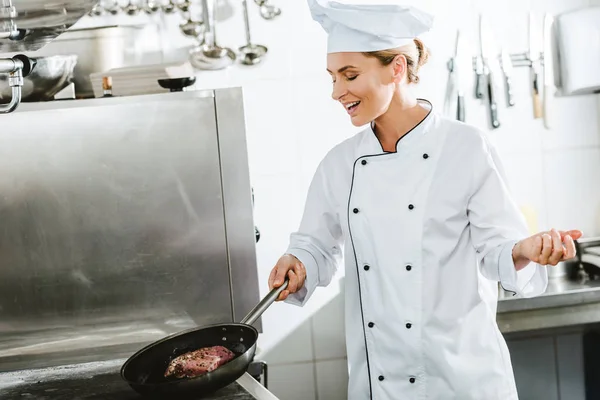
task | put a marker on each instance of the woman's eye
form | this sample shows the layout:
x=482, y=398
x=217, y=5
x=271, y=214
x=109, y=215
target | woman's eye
x=351, y=78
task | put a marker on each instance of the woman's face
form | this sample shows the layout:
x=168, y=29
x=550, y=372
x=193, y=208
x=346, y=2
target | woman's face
x=362, y=85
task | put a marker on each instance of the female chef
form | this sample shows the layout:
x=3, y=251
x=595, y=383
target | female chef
x=420, y=206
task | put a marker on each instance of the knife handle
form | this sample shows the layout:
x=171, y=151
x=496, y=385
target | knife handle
x=460, y=111
x=479, y=86
x=492, y=103
x=510, y=97
x=537, y=105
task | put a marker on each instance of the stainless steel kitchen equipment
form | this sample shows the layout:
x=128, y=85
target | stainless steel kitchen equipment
x=124, y=220
x=49, y=76
x=144, y=371
x=98, y=49
x=27, y=25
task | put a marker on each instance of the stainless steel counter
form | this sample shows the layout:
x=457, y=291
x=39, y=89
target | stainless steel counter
x=565, y=303
x=101, y=380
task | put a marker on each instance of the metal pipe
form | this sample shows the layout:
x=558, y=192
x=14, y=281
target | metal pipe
x=14, y=101
x=13, y=67
x=10, y=65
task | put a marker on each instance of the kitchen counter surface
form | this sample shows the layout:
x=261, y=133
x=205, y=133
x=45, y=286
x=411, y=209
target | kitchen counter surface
x=96, y=381
x=565, y=303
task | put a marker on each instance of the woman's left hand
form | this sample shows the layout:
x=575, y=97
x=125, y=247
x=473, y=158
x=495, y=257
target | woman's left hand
x=546, y=248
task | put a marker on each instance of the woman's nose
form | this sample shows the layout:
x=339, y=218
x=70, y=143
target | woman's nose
x=338, y=91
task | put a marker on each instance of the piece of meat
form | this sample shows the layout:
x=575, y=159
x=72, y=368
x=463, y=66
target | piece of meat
x=199, y=362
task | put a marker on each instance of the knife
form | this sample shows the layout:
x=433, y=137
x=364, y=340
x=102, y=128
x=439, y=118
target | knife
x=534, y=57
x=479, y=77
x=507, y=69
x=548, y=69
x=459, y=55
x=488, y=55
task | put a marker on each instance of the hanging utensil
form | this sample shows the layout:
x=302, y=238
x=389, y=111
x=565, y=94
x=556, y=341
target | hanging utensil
x=169, y=8
x=131, y=9
x=210, y=56
x=479, y=76
x=251, y=53
x=549, y=87
x=144, y=371
x=488, y=56
x=507, y=70
x=191, y=28
x=534, y=57
x=151, y=7
x=268, y=11
x=455, y=96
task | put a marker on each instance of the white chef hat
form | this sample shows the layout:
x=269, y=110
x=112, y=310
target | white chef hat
x=368, y=27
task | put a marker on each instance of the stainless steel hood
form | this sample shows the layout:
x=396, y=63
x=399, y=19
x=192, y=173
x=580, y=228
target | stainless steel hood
x=27, y=25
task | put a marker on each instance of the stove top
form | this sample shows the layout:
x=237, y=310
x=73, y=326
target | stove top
x=93, y=381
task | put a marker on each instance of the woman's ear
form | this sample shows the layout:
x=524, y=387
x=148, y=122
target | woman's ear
x=399, y=68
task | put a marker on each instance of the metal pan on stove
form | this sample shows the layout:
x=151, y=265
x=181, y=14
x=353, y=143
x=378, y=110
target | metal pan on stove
x=144, y=371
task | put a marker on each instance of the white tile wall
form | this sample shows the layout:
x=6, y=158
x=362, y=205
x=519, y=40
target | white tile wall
x=292, y=122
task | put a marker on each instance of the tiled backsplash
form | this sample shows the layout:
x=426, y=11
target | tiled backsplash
x=292, y=122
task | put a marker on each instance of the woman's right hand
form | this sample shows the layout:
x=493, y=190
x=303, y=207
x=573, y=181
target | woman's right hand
x=294, y=269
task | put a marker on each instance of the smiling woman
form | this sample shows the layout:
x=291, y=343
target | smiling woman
x=418, y=206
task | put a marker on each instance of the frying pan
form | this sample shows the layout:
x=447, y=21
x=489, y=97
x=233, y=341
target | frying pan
x=144, y=371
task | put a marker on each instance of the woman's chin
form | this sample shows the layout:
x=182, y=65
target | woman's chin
x=358, y=120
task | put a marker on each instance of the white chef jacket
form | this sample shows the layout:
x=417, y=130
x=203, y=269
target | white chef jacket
x=426, y=234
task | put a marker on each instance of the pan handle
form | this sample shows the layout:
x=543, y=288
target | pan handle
x=264, y=304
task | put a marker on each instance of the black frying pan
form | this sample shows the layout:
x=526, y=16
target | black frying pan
x=144, y=371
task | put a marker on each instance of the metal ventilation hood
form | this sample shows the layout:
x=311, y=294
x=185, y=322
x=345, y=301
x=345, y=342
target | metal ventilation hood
x=27, y=25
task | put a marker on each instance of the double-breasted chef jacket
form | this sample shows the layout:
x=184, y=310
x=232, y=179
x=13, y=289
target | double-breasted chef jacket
x=426, y=233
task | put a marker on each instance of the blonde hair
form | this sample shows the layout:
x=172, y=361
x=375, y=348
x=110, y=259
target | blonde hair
x=416, y=56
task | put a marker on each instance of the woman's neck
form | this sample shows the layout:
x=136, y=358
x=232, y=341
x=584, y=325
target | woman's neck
x=403, y=114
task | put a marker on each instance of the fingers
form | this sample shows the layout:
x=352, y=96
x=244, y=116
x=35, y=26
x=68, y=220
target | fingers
x=557, y=248
x=570, y=251
x=546, y=249
x=296, y=274
x=574, y=233
x=301, y=273
x=272, y=276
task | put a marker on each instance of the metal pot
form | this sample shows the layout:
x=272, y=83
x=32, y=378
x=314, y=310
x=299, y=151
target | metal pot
x=49, y=76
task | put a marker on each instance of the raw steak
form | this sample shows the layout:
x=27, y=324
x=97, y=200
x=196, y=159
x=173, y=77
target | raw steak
x=198, y=362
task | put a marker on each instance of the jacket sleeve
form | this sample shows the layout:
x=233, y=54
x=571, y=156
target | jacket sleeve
x=318, y=241
x=497, y=225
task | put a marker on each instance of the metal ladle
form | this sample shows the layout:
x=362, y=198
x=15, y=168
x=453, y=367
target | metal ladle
x=191, y=28
x=151, y=7
x=209, y=55
x=267, y=11
x=113, y=7
x=169, y=8
x=251, y=53
x=131, y=9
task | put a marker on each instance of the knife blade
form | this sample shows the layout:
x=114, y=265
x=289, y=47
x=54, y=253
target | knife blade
x=488, y=56
x=534, y=57
x=459, y=56
x=507, y=69
x=548, y=69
